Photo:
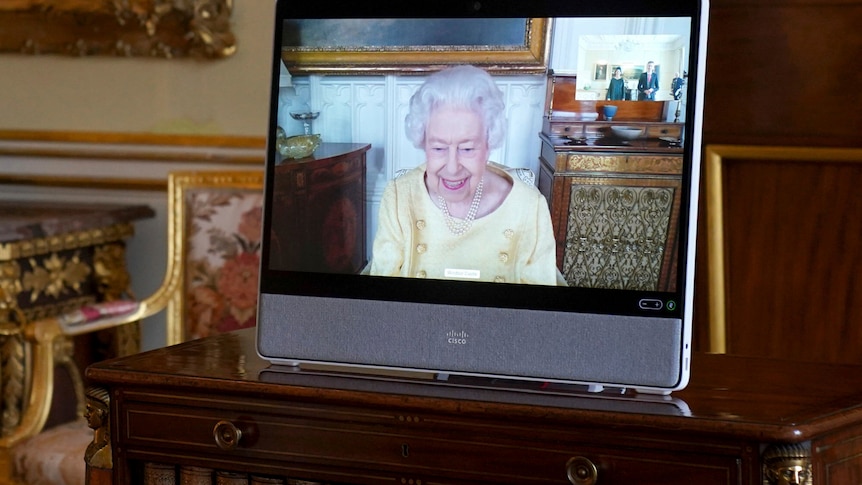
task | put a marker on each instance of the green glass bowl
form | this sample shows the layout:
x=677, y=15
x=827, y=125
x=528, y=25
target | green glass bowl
x=298, y=146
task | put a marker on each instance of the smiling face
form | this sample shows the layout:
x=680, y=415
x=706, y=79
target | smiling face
x=456, y=150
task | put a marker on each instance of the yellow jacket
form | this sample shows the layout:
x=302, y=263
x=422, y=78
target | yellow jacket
x=513, y=244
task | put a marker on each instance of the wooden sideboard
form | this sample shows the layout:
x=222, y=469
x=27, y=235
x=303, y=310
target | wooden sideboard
x=213, y=405
x=319, y=207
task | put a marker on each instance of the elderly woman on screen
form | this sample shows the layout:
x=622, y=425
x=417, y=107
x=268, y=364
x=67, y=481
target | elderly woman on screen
x=459, y=216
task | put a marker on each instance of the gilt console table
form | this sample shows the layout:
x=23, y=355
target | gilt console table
x=59, y=256
x=211, y=406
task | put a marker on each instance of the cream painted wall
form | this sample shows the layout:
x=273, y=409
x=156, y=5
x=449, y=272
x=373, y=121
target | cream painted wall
x=126, y=95
x=108, y=94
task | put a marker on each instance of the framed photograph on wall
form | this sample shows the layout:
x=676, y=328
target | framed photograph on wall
x=601, y=72
x=376, y=46
x=632, y=72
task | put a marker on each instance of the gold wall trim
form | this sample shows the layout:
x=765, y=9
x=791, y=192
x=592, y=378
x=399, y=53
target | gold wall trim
x=84, y=182
x=62, y=150
x=716, y=156
x=135, y=138
x=130, y=156
x=133, y=147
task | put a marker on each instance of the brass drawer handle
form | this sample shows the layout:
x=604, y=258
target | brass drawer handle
x=581, y=471
x=226, y=435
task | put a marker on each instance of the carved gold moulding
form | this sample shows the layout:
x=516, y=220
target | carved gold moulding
x=73, y=240
x=54, y=274
x=168, y=29
x=669, y=165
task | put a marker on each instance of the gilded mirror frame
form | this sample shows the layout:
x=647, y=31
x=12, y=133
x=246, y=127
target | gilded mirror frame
x=131, y=28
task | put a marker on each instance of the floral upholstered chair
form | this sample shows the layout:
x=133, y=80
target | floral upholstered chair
x=210, y=286
x=220, y=251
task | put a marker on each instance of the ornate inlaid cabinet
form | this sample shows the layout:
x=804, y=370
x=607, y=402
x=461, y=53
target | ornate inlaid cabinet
x=615, y=207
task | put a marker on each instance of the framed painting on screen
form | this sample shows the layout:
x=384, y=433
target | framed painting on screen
x=369, y=46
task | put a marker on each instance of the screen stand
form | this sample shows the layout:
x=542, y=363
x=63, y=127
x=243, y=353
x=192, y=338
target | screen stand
x=525, y=385
x=456, y=380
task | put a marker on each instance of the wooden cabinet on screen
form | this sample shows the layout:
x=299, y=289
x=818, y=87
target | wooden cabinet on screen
x=319, y=221
x=614, y=200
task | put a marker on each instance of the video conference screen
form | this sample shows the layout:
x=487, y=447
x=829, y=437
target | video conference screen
x=455, y=186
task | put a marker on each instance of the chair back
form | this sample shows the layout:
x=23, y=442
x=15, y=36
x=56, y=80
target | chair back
x=213, y=252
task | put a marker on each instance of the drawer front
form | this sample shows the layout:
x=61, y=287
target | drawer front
x=598, y=129
x=438, y=451
x=562, y=129
x=672, y=131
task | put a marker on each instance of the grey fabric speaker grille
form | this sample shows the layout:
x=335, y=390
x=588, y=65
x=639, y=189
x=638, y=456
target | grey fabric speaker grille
x=627, y=351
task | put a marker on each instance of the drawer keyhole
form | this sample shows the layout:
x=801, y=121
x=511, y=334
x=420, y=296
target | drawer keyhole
x=405, y=450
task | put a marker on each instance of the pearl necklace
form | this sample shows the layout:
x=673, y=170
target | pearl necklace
x=460, y=227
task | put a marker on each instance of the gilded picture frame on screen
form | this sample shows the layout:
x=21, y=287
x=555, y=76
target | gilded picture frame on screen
x=378, y=46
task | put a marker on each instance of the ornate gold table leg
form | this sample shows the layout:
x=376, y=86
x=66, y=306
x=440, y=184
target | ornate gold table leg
x=787, y=465
x=12, y=362
x=114, y=283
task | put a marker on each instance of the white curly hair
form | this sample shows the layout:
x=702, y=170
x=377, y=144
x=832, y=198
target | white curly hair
x=461, y=86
